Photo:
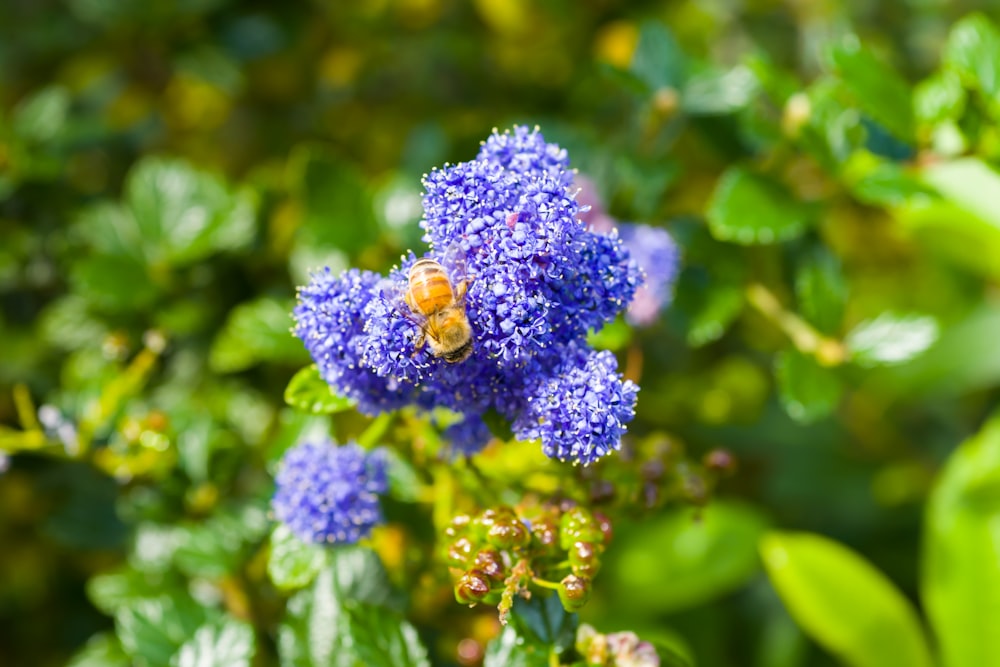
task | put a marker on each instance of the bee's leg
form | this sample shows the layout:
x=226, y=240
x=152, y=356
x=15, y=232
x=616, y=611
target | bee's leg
x=418, y=342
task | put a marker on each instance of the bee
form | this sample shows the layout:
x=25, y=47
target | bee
x=440, y=311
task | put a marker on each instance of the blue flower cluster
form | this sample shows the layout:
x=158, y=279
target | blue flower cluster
x=537, y=280
x=652, y=248
x=328, y=494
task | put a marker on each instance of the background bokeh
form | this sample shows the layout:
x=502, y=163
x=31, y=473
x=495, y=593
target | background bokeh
x=170, y=171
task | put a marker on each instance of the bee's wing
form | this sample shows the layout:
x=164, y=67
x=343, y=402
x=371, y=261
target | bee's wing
x=454, y=261
x=394, y=293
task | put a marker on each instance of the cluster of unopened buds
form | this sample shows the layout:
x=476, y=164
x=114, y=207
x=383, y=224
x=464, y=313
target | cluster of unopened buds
x=498, y=553
x=618, y=649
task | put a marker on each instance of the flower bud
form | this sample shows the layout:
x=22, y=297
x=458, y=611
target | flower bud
x=604, y=523
x=578, y=525
x=546, y=535
x=508, y=533
x=460, y=552
x=583, y=559
x=459, y=525
x=472, y=587
x=490, y=563
x=481, y=524
x=720, y=461
x=574, y=592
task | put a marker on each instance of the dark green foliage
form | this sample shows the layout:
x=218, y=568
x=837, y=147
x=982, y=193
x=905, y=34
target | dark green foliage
x=170, y=172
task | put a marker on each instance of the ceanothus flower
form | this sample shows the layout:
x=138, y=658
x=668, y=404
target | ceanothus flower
x=537, y=281
x=656, y=254
x=328, y=494
x=652, y=248
x=468, y=436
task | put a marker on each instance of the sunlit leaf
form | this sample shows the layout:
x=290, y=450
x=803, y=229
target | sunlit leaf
x=293, y=563
x=750, y=209
x=101, y=650
x=891, y=339
x=960, y=581
x=680, y=560
x=152, y=629
x=821, y=290
x=713, y=93
x=973, y=51
x=658, y=60
x=256, y=331
x=509, y=649
x=877, y=88
x=308, y=392
x=820, y=582
x=223, y=643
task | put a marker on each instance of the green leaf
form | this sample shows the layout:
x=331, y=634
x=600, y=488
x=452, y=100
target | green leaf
x=939, y=97
x=184, y=215
x=115, y=590
x=309, y=392
x=223, y=643
x=101, y=650
x=891, y=339
x=960, y=582
x=807, y=390
x=215, y=548
x=509, y=649
x=614, y=336
x=682, y=559
x=877, y=88
x=114, y=283
x=821, y=290
x=820, y=582
x=712, y=93
x=658, y=60
x=293, y=563
x=750, y=209
x=964, y=224
x=404, y=480
x=42, y=116
x=973, y=51
x=384, y=639
x=544, y=620
x=338, y=205
x=334, y=624
x=152, y=629
x=254, y=332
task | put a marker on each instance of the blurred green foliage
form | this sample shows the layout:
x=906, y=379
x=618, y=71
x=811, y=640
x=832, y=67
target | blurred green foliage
x=170, y=171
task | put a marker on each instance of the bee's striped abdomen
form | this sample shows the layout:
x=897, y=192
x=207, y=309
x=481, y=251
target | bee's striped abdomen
x=430, y=290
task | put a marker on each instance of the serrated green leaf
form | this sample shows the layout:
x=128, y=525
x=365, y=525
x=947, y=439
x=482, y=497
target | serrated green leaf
x=309, y=392
x=254, y=332
x=334, y=624
x=709, y=310
x=215, y=547
x=152, y=629
x=960, y=582
x=807, y=390
x=614, y=336
x=973, y=51
x=223, y=643
x=42, y=116
x=658, y=60
x=293, y=563
x=678, y=561
x=821, y=290
x=877, y=88
x=750, y=209
x=509, y=649
x=184, y=214
x=819, y=581
x=891, y=339
x=114, y=590
x=384, y=639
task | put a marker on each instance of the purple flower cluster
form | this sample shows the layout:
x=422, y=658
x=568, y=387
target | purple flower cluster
x=328, y=494
x=652, y=248
x=537, y=280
